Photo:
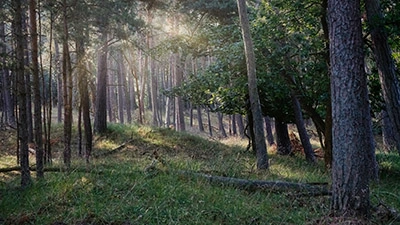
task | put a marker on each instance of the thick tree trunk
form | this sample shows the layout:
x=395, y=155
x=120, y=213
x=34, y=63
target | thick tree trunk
x=100, y=122
x=305, y=140
x=21, y=90
x=282, y=137
x=262, y=158
x=386, y=66
x=36, y=90
x=353, y=148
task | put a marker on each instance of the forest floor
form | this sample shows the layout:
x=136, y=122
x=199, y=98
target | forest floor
x=143, y=175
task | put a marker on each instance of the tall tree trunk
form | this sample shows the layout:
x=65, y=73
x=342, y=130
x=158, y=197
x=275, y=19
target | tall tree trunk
x=121, y=89
x=386, y=66
x=110, y=97
x=100, y=122
x=179, y=106
x=84, y=98
x=154, y=93
x=28, y=83
x=282, y=137
x=268, y=128
x=128, y=89
x=353, y=148
x=327, y=144
x=36, y=90
x=305, y=140
x=21, y=90
x=8, y=101
x=262, y=158
x=60, y=88
x=67, y=91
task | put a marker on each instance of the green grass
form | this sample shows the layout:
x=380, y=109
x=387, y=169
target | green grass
x=122, y=188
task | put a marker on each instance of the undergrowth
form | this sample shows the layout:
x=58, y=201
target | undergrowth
x=140, y=184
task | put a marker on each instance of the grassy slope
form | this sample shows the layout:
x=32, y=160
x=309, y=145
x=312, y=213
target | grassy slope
x=138, y=185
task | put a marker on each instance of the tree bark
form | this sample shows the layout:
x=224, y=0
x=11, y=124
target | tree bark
x=262, y=158
x=67, y=91
x=60, y=88
x=36, y=90
x=100, y=122
x=305, y=140
x=221, y=127
x=386, y=66
x=268, y=129
x=282, y=137
x=21, y=90
x=200, y=119
x=353, y=148
x=239, y=120
x=8, y=101
x=389, y=141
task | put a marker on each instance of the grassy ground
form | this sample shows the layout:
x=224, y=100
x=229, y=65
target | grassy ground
x=140, y=184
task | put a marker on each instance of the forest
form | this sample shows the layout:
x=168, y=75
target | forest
x=199, y=112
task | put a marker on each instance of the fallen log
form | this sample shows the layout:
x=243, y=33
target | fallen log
x=46, y=169
x=304, y=189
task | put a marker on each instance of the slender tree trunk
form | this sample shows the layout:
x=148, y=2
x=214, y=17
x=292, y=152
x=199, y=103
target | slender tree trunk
x=8, y=101
x=268, y=128
x=386, y=66
x=282, y=137
x=210, y=130
x=67, y=91
x=233, y=122
x=110, y=97
x=179, y=105
x=305, y=140
x=60, y=88
x=28, y=83
x=389, y=141
x=121, y=89
x=21, y=90
x=221, y=127
x=128, y=88
x=262, y=158
x=327, y=144
x=200, y=119
x=84, y=98
x=239, y=119
x=354, y=162
x=100, y=122
x=36, y=90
